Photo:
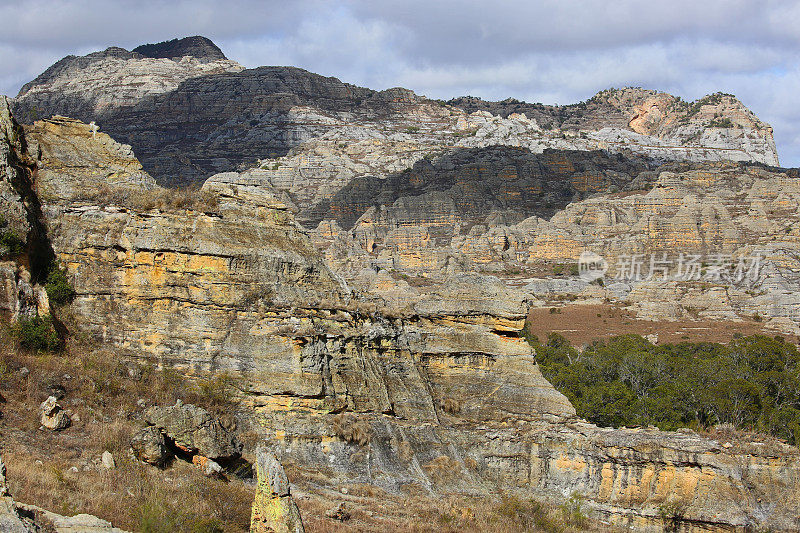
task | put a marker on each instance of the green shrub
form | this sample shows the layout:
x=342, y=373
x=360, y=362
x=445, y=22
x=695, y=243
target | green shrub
x=59, y=290
x=559, y=269
x=10, y=243
x=572, y=512
x=155, y=517
x=721, y=123
x=37, y=333
x=749, y=383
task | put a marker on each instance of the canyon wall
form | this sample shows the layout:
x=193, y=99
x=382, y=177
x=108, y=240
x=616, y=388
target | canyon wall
x=367, y=382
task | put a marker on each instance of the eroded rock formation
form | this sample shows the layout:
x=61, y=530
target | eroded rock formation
x=274, y=509
x=438, y=391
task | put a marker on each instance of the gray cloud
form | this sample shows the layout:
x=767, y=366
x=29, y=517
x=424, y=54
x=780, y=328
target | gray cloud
x=549, y=51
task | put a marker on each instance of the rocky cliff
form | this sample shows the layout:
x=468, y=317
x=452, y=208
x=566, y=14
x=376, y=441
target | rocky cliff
x=370, y=381
x=189, y=113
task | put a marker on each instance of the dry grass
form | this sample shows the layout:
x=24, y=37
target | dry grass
x=747, y=442
x=102, y=393
x=133, y=496
x=350, y=428
x=442, y=470
x=170, y=200
x=584, y=324
x=419, y=512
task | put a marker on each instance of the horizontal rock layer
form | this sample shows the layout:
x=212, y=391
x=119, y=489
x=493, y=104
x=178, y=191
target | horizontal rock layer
x=441, y=392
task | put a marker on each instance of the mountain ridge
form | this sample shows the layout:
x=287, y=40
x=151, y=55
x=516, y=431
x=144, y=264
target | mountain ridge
x=188, y=117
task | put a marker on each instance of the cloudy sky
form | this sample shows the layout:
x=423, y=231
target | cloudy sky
x=557, y=51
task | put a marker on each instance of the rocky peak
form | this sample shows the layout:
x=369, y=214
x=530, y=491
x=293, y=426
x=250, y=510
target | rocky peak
x=196, y=46
x=217, y=116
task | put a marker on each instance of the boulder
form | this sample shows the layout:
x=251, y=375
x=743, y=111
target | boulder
x=274, y=509
x=209, y=467
x=108, y=460
x=194, y=431
x=3, y=483
x=339, y=513
x=52, y=416
x=150, y=446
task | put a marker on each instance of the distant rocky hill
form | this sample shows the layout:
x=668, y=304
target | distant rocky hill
x=188, y=112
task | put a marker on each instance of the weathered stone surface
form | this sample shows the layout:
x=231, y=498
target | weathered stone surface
x=632, y=476
x=209, y=467
x=12, y=155
x=660, y=122
x=86, y=160
x=274, y=510
x=194, y=430
x=52, y=416
x=196, y=47
x=476, y=183
x=10, y=519
x=449, y=392
x=722, y=214
x=150, y=446
x=107, y=460
x=3, y=480
x=24, y=252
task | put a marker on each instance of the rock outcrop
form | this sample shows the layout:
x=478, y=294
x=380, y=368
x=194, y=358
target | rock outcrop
x=274, y=509
x=740, y=222
x=194, y=431
x=24, y=250
x=150, y=446
x=52, y=416
x=651, y=122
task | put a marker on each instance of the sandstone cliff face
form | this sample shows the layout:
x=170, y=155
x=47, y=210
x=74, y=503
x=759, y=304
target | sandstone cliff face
x=189, y=113
x=439, y=392
x=725, y=214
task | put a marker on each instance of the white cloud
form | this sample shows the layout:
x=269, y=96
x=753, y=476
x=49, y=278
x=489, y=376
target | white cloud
x=549, y=50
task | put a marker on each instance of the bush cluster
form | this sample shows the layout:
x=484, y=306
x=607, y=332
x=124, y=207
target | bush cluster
x=58, y=288
x=37, y=333
x=750, y=383
x=11, y=244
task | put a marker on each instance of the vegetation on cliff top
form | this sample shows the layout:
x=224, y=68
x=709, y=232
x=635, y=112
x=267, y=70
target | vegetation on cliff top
x=750, y=383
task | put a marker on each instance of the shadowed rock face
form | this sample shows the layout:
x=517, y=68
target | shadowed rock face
x=475, y=183
x=214, y=119
x=197, y=47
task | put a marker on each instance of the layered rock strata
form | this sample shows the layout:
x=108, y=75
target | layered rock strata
x=439, y=392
